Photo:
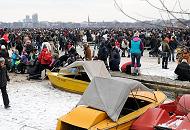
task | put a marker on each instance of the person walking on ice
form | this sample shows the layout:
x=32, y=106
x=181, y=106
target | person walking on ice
x=3, y=82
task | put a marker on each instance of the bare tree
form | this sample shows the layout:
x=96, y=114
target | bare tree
x=166, y=10
x=122, y=11
x=171, y=13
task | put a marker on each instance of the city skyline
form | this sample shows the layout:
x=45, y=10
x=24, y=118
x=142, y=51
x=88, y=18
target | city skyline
x=33, y=18
x=97, y=10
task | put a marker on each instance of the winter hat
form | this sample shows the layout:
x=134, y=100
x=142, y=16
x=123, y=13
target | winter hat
x=136, y=34
x=28, y=42
x=44, y=46
x=2, y=59
x=184, y=60
x=3, y=47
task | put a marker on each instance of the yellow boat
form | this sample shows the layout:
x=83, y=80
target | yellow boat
x=110, y=104
x=77, y=76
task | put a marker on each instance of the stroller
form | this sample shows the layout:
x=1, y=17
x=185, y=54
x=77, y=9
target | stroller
x=34, y=71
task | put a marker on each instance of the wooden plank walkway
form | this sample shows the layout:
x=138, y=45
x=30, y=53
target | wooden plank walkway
x=159, y=83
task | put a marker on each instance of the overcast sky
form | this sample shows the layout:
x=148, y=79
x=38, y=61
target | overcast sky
x=78, y=10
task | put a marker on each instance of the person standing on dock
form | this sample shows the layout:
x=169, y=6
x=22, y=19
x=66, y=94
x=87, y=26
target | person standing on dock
x=166, y=51
x=183, y=69
x=136, y=48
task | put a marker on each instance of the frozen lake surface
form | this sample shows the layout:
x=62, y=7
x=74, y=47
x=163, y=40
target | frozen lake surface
x=36, y=105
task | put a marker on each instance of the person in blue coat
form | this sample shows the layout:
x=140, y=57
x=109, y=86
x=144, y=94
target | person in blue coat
x=136, y=48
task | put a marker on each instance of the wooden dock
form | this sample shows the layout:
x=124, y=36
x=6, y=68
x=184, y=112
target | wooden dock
x=159, y=83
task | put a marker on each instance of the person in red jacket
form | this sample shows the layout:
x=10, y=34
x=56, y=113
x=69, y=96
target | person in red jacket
x=6, y=37
x=117, y=44
x=45, y=58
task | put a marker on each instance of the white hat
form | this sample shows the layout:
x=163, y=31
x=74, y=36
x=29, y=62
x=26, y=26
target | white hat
x=2, y=59
x=184, y=60
x=3, y=47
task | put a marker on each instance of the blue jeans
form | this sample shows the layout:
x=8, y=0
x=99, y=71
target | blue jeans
x=172, y=55
x=136, y=57
x=96, y=45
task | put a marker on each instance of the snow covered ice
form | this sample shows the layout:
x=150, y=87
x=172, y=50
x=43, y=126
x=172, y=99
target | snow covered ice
x=36, y=105
x=151, y=67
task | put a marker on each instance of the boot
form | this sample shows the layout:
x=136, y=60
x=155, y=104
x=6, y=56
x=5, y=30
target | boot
x=158, y=59
x=166, y=65
x=138, y=71
x=132, y=70
x=163, y=65
x=7, y=106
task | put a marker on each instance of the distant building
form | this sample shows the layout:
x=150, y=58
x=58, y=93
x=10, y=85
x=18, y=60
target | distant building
x=35, y=18
x=17, y=25
x=27, y=19
x=88, y=19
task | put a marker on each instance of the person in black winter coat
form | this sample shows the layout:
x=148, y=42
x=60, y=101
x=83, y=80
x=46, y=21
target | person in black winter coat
x=114, y=60
x=173, y=46
x=3, y=82
x=29, y=48
x=183, y=71
x=103, y=54
x=19, y=47
x=4, y=53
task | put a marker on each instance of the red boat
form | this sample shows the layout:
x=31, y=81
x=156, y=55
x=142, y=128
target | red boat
x=170, y=116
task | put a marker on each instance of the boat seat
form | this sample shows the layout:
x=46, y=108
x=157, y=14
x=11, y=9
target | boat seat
x=183, y=106
x=126, y=111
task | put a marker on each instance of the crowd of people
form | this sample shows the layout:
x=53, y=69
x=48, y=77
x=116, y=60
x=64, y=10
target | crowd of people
x=27, y=45
x=44, y=47
x=33, y=50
